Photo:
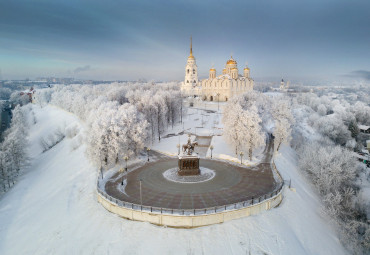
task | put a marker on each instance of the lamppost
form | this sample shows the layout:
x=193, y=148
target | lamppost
x=126, y=158
x=211, y=150
x=218, y=101
x=178, y=149
x=241, y=157
x=147, y=150
x=141, y=196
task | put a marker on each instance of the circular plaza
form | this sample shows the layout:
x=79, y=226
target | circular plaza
x=230, y=184
x=156, y=193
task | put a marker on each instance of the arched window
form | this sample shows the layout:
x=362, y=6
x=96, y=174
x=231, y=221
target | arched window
x=194, y=81
x=187, y=81
x=193, y=71
x=188, y=70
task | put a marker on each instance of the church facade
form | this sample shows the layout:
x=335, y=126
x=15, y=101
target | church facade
x=216, y=88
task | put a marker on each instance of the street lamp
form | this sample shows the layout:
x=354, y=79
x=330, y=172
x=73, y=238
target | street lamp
x=211, y=150
x=126, y=158
x=241, y=157
x=178, y=149
x=141, y=196
x=147, y=150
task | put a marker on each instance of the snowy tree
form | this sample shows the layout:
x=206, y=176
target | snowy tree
x=321, y=109
x=282, y=132
x=13, y=154
x=234, y=129
x=5, y=93
x=333, y=127
x=120, y=131
x=242, y=128
x=362, y=113
x=283, y=121
x=18, y=98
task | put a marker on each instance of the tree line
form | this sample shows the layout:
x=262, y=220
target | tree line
x=121, y=118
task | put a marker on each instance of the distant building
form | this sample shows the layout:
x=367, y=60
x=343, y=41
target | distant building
x=28, y=93
x=216, y=88
x=284, y=86
x=364, y=129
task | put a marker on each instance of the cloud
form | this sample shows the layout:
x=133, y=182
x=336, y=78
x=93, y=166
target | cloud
x=359, y=74
x=82, y=69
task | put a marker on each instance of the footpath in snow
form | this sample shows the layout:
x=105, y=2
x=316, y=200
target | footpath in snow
x=53, y=210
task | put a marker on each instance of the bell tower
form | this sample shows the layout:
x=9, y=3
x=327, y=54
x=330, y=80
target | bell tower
x=191, y=70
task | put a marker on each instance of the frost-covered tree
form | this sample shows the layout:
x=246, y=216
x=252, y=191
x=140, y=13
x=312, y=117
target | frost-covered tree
x=333, y=127
x=242, y=128
x=5, y=93
x=13, y=154
x=17, y=98
x=116, y=131
x=321, y=109
x=362, y=113
x=234, y=127
x=331, y=168
x=282, y=133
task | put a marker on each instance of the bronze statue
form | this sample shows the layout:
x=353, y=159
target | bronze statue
x=189, y=147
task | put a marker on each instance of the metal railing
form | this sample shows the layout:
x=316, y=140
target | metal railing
x=192, y=212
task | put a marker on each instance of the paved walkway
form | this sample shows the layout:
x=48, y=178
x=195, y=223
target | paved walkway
x=203, y=143
x=232, y=183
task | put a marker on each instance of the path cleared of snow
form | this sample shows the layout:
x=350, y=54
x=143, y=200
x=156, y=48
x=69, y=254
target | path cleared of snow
x=205, y=175
x=53, y=210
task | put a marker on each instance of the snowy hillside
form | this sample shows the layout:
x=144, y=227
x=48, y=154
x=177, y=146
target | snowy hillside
x=53, y=210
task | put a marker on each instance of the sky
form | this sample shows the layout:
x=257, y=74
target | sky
x=149, y=39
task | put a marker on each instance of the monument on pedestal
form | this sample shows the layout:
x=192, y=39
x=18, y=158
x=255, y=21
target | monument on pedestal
x=188, y=163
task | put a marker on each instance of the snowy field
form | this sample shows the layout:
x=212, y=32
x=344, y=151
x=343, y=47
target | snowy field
x=53, y=209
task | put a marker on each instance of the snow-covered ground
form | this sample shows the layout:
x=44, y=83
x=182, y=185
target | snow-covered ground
x=53, y=210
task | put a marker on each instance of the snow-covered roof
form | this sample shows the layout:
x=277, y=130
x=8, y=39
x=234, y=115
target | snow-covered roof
x=363, y=127
x=365, y=151
x=223, y=76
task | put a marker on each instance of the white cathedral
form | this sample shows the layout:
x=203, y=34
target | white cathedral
x=216, y=88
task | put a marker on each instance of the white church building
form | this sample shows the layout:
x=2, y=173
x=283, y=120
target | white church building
x=216, y=88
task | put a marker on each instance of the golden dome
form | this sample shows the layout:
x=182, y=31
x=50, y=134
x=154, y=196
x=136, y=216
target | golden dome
x=231, y=61
x=234, y=68
x=191, y=56
x=247, y=68
x=212, y=69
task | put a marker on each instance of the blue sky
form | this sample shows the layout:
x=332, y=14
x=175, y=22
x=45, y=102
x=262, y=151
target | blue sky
x=129, y=40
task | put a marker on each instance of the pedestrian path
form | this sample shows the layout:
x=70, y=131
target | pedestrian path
x=203, y=144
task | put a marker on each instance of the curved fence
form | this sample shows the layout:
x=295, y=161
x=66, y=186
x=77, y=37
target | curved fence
x=193, y=212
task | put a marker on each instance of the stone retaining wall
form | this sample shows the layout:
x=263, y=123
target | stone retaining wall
x=181, y=221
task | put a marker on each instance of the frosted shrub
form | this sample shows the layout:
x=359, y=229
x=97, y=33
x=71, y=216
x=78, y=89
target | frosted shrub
x=76, y=142
x=52, y=139
x=72, y=131
x=333, y=169
x=321, y=109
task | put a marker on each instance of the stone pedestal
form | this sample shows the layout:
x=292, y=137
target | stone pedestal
x=188, y=165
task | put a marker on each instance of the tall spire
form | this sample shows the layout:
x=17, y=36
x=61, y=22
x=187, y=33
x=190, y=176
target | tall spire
x=191, y=46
